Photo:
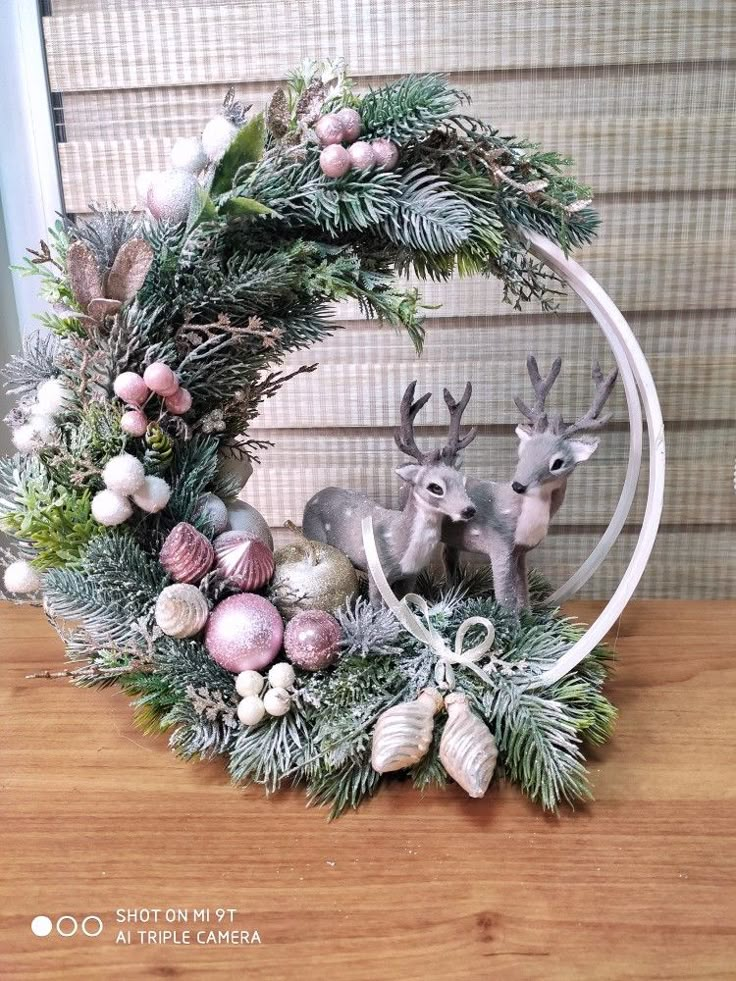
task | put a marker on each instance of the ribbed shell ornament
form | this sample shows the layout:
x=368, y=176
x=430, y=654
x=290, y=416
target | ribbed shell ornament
x=244, y=560
x=467, y=748
x=186, y=554
x=403, y=733
x=181, y=610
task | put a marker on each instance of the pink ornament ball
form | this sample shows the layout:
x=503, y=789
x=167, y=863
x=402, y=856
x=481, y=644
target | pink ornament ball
x=329, y=129
x=134, y=423
x=131, y=388
x=386, y=154
x=334, y=161
x=161, y=379
x=244, y=633
x=351, y=123
x=361, y=155
x=312, y=640
x=179, y=403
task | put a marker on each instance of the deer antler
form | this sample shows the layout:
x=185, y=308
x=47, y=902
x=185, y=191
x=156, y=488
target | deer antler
x=404, y=436
x=593, y=419
x=536, y=414
x=456, y=442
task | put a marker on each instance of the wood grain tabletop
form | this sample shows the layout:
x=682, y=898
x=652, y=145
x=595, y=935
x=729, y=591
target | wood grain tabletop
x=99, y=821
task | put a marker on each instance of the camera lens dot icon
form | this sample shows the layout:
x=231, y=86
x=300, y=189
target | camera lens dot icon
x=41, y=926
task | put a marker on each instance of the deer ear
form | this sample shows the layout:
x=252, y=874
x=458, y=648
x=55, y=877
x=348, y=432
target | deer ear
x=582, y=449
x=523, y=434
x=408, y=472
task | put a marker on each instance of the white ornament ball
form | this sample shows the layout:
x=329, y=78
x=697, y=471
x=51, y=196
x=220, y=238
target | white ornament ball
x=249, y=683
x=217, y=136
x=214, y=509
x=170, y=196
x=277, y=701
x=110, y=508
x=21, y=577
x=153, y=495
x=143, y=184
x=124, y=474
x=251, y=710
x=281, y=675
x=25, y=439
x=52, y=396
x=188, y=153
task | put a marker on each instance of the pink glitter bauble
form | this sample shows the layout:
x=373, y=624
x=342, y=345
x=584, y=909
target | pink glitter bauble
x=334, y=161
x=187, y=555
x=131, y=388
x=134, y=423
x=351, y=123
x=244, y=633
x=386, y=154
x=243, y=559
x=160, y=379
x=361, y=155
x=179, y=403
x=312, y=640
x=329, y=129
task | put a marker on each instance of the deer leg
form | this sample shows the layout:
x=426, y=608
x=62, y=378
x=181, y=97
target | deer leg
x=504, y=577
x=452, y=564
x=522, y=579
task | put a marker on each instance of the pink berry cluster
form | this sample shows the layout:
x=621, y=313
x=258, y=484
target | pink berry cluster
x=136, y=390
x=344, y=126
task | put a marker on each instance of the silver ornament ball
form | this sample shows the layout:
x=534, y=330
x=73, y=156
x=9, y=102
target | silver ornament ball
x=171, y=194
x=188, y=154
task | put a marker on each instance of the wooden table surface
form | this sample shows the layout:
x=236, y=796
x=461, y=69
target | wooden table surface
x=98, y=818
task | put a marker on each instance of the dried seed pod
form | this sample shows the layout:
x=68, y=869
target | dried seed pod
x=403, y=733
x=186, y=554
x=467, y=749
x=181, y=610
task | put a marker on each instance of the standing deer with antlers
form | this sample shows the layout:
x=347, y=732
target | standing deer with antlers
x=405, y=539
x=513, y=518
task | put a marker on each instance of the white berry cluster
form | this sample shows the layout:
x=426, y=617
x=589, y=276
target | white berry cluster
x=51, y=398
x=126, y=480
x=255, y=702
x=168, y=195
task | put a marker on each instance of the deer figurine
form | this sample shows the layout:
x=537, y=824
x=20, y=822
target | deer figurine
x=513, y=518
x=434, y=493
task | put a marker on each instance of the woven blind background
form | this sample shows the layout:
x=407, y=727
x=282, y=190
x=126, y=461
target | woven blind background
x=642, y=95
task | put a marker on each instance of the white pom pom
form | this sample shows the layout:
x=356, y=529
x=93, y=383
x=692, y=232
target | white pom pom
x=281, y=675
x=21, y=577
x=42, y=425
x=110, y=508
x=124, y=474
x=52, y=396
x=26, y=439
x=143, y=184
x=188, y=154
x=251, y=710
x=249, y=683
x=170, y=196
x=153, y=495
x=217, y=136
x=277, y=701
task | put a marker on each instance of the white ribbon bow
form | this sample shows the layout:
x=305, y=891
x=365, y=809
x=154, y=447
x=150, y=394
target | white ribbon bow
x=423, y=630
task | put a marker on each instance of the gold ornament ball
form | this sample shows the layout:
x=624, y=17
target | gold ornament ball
x=311, y=576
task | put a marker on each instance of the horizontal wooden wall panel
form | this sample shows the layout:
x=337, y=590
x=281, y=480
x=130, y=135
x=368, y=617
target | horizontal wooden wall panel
x=698, y=565
x=134, y=46
x=300, y=464
x=667, y=151
x=515, y=101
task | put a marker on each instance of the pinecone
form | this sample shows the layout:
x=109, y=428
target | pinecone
x=159, y=450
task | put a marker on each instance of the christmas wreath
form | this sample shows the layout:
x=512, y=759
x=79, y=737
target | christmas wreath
x=167, y=330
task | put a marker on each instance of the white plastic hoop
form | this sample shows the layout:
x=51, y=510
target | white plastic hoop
x=634, y=368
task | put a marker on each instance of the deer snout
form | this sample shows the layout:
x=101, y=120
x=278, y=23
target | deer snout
x=517, y=487
x=469, y=512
